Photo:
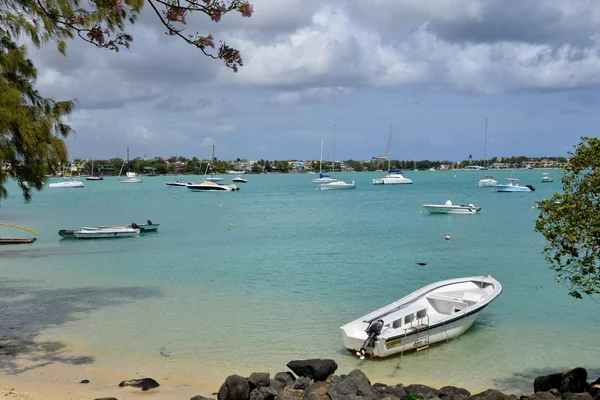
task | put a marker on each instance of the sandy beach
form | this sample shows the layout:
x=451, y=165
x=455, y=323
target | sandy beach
x=62, y=381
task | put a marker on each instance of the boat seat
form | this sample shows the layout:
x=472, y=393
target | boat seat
x=446, y=297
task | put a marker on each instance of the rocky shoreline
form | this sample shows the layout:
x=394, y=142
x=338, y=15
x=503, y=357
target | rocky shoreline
x=315, y=379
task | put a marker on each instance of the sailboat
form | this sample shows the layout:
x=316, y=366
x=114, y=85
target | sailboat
x=336, y=184
x=415, y=165
x=487, y=180
x=131, y=176
x=92, y=177
x=67, y=182
x=394, y=177
x=209, y=184
x=322, y=177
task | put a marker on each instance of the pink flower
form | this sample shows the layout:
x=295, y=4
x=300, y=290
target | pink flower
x=208, y=41
x=206, y=1
x=235, y=68
x=247, y=9
x=176, y=14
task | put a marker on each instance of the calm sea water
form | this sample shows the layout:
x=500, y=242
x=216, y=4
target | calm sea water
x=249, y=280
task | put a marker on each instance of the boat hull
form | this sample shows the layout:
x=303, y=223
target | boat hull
x=510, y=188
x=487, y=182
x=323, y=180
x=105, y=233
x=392, y=180
x=66, y=184
x=94, y=178
x=338, y=185
x=130, y=180
x=142, y=227
x=414, y=340
x=440, y=209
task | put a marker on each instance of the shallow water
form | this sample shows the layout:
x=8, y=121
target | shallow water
x=204, y=297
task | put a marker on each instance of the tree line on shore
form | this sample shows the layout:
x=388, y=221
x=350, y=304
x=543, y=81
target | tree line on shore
x=179, y=164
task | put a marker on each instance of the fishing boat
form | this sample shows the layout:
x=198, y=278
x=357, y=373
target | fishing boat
x=393, y=177
x=487, y=180
x=513, y=186
x=99, y=233
x=449, y=208
x=434, y=313
x=144, y=228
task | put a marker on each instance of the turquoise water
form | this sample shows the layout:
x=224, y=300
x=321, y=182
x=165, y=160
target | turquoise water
x=204, y=297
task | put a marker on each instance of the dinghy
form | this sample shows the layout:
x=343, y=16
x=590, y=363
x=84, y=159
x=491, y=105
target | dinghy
x=437, y=312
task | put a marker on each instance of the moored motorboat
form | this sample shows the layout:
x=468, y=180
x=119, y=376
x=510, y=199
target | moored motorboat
x=179, y=183
x=337, y=185
x=392, y=178
x=147, y=227
x=239, y=179
x=209, y=186
x=513, y=186
x=546, y=178
x=67, y=183
x=449, y=208
x=434, y=313
x=99, y=233
x=487, y=180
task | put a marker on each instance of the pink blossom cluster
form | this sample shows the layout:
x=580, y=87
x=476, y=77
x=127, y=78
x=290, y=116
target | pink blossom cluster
x=206, y=41
x=176, y=14
x=216, y=12
x=246, y=9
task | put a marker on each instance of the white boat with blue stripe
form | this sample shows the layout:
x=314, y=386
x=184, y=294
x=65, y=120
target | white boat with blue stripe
x=435, y=313
x=449, y=208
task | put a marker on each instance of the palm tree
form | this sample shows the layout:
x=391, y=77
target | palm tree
x=470, y=159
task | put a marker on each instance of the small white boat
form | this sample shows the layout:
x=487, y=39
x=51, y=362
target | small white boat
x=487, y=180
x=147, y=227
x=337, y=185
x=546, y=178
x=209, y=186
x=178, y=183
x=449, y=208
x=131, y=178
x=105, y=233
x=392, y=178
x=513, y=186
x=239, y=179
x=67, y=183
x=432, y=169
x=94, y=178
x=434, y=313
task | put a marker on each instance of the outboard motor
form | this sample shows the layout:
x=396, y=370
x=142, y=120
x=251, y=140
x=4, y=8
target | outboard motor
x=530, y=188
x=373, y=330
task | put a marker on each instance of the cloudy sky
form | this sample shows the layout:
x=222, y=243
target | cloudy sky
x=432, y=69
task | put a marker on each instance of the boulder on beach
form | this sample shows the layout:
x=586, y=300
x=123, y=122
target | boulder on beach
x=287, y=378
x=315, y=369
x=235, y=387
x=570, y=381
x=144, y=383
x=492, y=394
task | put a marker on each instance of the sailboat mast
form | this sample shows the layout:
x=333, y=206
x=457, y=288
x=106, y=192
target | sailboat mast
x=389, y=148
x=485, y=144
x=333, y=165
x=321, y=159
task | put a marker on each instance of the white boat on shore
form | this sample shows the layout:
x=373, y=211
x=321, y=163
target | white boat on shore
x=337, y=185
x=449, y=208
x=434, y=313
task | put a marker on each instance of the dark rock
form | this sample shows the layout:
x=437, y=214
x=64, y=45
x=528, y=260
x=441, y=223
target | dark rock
x=264, y=393
x=301, y=383
x=106, y=398
x=277, y=384
x=577, y=396
x=492, y=394
x=315, y=369
x=287, y=378
x=571, y=381
x=380, y=387
x=235, y=387
x=423, y=390
x=453, y=393
x=431, y=396
x=317, y=391
x=542, y=396
x=354, y=384
x=363, y=385
x=595, y=389
x=259, y=379
x=335, y=379
x=555, y=392
x=85, y=381
x=144, y=383
x=198, y=397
